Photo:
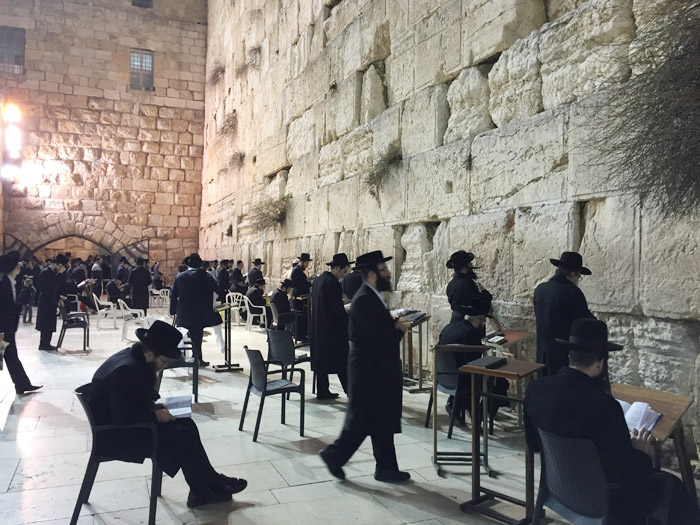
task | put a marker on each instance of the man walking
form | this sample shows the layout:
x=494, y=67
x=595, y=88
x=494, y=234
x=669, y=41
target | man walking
x=375, y=378
x=329, y=327
x=47, y=285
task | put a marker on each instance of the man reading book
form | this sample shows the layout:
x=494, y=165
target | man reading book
x=572, y=404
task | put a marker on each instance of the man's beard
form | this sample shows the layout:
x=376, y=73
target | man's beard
x=383, y=284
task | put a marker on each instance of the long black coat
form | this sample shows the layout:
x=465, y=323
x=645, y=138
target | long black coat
x=281, y=301
x=9, y=307
x=47, y=285
x=460, y=290
x=192, y=300
x=329, y=326
x=253, y=275
x=237, y=281
x=223, y=281
x=375, y=378
x=351, y=283
x=558, y=303
x=139, y=279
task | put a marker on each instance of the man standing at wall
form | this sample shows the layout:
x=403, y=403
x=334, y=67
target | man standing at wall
x=140, y=279
x=329, y=327
x=375, y=377
x=47, y=285
x=255, y=273
x=300, y=293
x=558, y=302
x=222, y=279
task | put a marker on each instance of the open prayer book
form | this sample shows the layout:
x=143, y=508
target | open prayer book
x=180, y=406
x=639, y=415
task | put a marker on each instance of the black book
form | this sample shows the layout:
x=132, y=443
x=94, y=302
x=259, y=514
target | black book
x=489, y=361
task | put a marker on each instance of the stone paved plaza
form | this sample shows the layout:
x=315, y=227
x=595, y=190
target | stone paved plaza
x=45, y=443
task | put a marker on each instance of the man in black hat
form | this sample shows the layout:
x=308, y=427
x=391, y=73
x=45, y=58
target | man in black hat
x=571, y=403
x=192, y=301
x=237, y=279
x=140, y=279
x=558, y=302
x=463, y=286
x=351, y=283
x=9, y=321
x=300, y=291
x=329, y=327
x=256, y=295
x=123, y=270
x=255, y=273
x=47, y=286
x=280, y=298
x=122, y=392
x=375, y=377
x=222, y=278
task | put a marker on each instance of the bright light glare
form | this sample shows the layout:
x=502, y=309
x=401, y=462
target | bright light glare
x=12, y=114
x=13, y=141
x=10, y=172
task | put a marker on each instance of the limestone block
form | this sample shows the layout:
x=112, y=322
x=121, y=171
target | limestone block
x=468, y=98
x=301, y=51
x=646, y=11
x=341, y=16
x=415, y=241
x=343, y=103
x=491, y=26
x=585, y=49
x=390, y=206
x=357, y=152
x=540, y=233
x=438, y=183
x=520, y=163
x=669, y=266
x=373, y=102
x=609, y=249
x=386, y=129
x=374, y=33
x=316, y=211
x=330, y=164
x=515, y=82
x=342, y=204
x=400, y=70
x=345, y=52
x=308, y=88
x=303, y=174
x=557, y=8
x=424, y=121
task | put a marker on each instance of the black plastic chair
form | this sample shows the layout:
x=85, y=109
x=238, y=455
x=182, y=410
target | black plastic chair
x=280, y=347
x=96, y=458
x=260, y=386
x=79, y=320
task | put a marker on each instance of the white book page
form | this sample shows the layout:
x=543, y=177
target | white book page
x=625, y=405
x=640, y=415
x=180, y=406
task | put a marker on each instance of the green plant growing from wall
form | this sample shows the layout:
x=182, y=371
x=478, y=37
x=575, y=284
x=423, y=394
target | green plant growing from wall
x=269, y=214
x=236, y=160
x=380, y=172
x=216, y=73
x=230, y=124
x=229, y=231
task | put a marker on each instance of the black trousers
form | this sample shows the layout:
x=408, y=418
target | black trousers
x=45, y=337
x=322, y=383
x=341, y=450
x=27, y=313
x=180, y=447
x=196, y=337
x=14, y=365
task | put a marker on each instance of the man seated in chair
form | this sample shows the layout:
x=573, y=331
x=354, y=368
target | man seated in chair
x=122, y=392
x=467, y=329
x=256, y=295
x=574, y=403
x=280, y=298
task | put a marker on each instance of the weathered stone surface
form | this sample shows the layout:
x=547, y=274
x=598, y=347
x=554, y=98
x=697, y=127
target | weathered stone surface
x=468, y=99
x=343, y=216
x=386, y=130
x=330, y=164
x=416, y=241
x=585, y=50
x=390, y=204
x=343, y=113
x=301, y=136
x=557, y=8
x=356, y=150
x=515, y=82
x=424, y=120
x=372, y=103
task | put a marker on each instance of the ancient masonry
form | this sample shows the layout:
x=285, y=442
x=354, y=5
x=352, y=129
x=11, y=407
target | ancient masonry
x=103, y=161
x=420, y=127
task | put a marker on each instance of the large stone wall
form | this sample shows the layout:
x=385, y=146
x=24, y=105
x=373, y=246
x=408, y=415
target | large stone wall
x=102, y=161
x=476, y=113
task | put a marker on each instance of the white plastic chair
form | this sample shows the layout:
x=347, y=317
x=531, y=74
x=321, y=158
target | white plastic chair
x=261, y=315
x=236, y=300
x=130, y=315
x=106, y=308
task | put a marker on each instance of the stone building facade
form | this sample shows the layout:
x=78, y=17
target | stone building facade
x=103, y=161
x=420, y=127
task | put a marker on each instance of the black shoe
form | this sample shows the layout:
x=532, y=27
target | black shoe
x=333, y=469
x=227, y=485
x=391, y=475
x=197, y=499
x=28, y=389
x=202, y=362
x=328, y=395
x=48, y=348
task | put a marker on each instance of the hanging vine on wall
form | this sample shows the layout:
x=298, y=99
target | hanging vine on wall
x=252, y=61
x=216, y=73
x=380, y=172
x=230, y=124
x=269, y=214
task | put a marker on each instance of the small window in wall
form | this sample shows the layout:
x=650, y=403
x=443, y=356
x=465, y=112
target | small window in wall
x=141, y=76
x=142, y=3
x=12, y=50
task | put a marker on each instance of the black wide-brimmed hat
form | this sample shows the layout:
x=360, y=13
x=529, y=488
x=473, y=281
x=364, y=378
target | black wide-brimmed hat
x=260, y=282
x=571, y=261
x=286, y=283
x=257, y=261
x=305, y=257
x=141, y=261
x=339, y=259
x=162, y=339
x=589, y=335
x=61, y=259
x=460, y=259
x=8, y=262
x=367, y=260
x=194, y=261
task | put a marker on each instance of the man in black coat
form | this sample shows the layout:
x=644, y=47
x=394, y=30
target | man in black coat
x=280, y=298
x=351, y=283
x=255, y=273
x=558, y=302
x=140, y=279
x=122, y=392
x=237, y=279
x=9, y=321
x=123, y=270
x=192, y=301
x=329, y=327
x=375, y=377
x=222, y=278
x=256, y=295
x=47, y=286
x=300, y=293
x=572, y=403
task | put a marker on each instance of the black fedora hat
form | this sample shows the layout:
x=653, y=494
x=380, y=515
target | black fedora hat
x=260, y=282
x=194, y=261
x=286, y=283
x=367, y=260
x=61, y=259
x=162, y=339
x=257, y=261
x=305, y=257
x=460, y=259
x=339, y=259
x=8, y=262
x=571, y=261
x=589, y=335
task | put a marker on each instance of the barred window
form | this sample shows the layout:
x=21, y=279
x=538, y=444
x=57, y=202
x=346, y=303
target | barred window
x=12, y=50
x=141, y=76
x=142, y=3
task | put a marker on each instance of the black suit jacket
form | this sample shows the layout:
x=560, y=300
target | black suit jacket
x=351, y=283
x=139, y=279
x=558, y=303
x=9, y=308
x=256, y=296
x=223, y=281
x=47, y=285
x=300, y=282
x=191, y=299
x=253, y=275
x=460, y=290
x=281, y=301
x=329, y=326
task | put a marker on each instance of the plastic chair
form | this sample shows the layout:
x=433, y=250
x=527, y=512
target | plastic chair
x=260, y=386
x=129, y=315
x=280, y=347
x=236, y=300
x=108, y=309
x=96, y=457
x=79, y=320
x=253, y=311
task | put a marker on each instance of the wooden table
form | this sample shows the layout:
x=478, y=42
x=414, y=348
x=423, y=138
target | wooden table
x=513, y=370
x=673, y=407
